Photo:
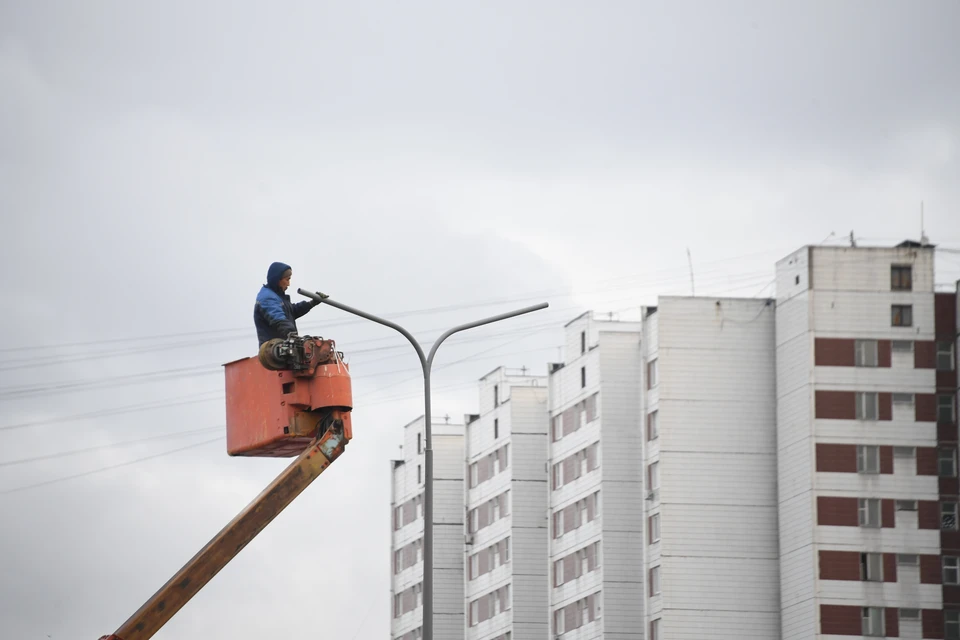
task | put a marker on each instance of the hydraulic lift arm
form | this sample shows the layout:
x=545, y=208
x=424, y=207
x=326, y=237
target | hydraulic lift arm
x=294, y=399
x=194, y=575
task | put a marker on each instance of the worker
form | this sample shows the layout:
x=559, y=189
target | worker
x=273, y=313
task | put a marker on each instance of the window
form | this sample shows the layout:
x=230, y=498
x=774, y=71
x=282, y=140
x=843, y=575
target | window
x=904, y=452
x=419, y=475
x=496, y=428
x=869, y=512
x=901, y=277
x=867, y=406
x=655, y=624
x=948, y=516
x=902, y=346
x=951, y=570
x=946, y=462
x=558, y=622
x=944, y=407
x=653, y=476
x=496, y=395
x=912, y=615
x=908, y=560
x=944, y=356
x=873, y=621
x=652, y=374
x=902, y=399
x=583, y=342
x=868, y=459
x=654, y=581
x=906, y=505
x=866, y=353
x=419, y=443
x=871, y=567
x=653, y=428
x=951, y=624
x=901, y=315
x=653, y=525
x=583, y=377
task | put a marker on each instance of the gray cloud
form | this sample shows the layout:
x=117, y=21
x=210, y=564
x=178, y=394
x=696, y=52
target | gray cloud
x=154, y=160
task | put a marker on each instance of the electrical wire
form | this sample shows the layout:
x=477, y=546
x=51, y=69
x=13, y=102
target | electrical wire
x=62, y=454
x=644, y=280
x=109, y=468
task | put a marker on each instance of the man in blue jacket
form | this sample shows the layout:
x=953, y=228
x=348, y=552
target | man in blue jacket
x=273, y=313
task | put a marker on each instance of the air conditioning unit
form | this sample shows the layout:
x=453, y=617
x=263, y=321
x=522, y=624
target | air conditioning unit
x=652, y=495
x=468, y=538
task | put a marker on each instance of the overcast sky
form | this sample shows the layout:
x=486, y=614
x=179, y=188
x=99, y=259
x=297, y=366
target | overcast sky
x=403, y=157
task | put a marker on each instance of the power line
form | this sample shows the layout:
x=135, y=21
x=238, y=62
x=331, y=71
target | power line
x=62, y=454
x=109, y=468
x=395, y=314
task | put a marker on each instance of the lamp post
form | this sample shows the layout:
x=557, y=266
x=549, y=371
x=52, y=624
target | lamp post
x=426, y=363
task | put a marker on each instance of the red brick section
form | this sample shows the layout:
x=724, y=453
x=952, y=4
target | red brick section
x=836, y=405
x=925, y=354
x=837, y=458
x=892, y=623
x=945, y=315
x=886, y=459
x=884, y=353
x=947, y=380
x=838, y=512
x=949, y=488
x=885, y=400
x=930, y=570
x=951, y=594
x=889, y=567
x=839, y=565
x=833, y=352
x=950, y=542
x=841, y=620
x=925, y=407
x=927, y=461
x=928, y=514
x=888, y=514
x=932, y=623
x=947, y=433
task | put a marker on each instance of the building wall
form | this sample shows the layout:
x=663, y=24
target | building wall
x=602, y=369
x=513, y=420
x=830, y=300
x=407, y=485
x=717, y=501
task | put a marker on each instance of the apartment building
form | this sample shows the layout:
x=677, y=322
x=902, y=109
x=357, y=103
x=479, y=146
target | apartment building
x=867, y=445
x=406, y=552
x=506, y=533
x=596, y=483
x=710, y=546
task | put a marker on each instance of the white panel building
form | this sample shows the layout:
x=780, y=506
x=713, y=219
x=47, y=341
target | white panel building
x=406, y=552
x=710, y=502
x=595, y=453
x=505, y=562
x=867, y=461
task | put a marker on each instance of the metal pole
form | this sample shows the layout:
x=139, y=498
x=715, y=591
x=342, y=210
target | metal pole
x=426, y=363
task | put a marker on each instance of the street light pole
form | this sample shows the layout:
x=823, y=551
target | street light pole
x=426, y=363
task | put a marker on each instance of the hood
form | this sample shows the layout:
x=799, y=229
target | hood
x=274, y=273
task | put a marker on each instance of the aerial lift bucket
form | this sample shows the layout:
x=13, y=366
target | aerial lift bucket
x=294, y=399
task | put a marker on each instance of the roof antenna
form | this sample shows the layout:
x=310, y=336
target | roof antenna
x=693, y=290
x=923, y=232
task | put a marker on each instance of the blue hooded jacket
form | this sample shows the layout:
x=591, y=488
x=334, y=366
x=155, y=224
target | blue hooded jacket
x=273, y=313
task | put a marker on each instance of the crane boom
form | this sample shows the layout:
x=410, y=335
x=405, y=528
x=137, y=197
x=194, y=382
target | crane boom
x=271, y=412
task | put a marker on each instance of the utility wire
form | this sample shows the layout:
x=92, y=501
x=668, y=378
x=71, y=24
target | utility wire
x=109, y=468
x=62, y=454
x=643, y=278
